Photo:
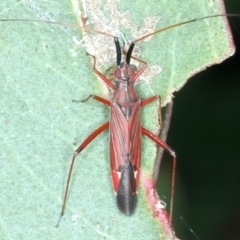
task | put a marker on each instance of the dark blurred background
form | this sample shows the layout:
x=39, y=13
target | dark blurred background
x=205, y=133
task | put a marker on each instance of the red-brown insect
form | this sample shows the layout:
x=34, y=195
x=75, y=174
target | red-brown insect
x=125, y=133
x=125, y=129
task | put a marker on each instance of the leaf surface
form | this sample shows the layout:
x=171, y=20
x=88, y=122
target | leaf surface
x=42, y=70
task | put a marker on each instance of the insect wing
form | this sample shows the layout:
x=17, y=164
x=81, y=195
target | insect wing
x=125, y=155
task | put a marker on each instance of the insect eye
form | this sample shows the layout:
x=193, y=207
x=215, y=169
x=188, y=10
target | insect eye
x=130, y=72
x=117, y=73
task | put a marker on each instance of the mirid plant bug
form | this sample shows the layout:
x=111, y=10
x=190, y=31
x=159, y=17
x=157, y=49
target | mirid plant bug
x=125, y=133
x=72, y=97
x=125, y=129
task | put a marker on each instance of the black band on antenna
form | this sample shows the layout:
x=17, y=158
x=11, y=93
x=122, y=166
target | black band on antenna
x=129, y=53
x=118, y=50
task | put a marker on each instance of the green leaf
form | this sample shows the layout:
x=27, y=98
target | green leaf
x=42, y=70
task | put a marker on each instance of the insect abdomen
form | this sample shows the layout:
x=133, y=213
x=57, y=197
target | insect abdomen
x=126, y=193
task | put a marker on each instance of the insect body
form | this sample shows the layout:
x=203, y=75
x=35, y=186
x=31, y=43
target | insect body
x=125, y=133
x=125, y=128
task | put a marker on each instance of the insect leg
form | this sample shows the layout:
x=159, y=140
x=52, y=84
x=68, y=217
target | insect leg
x=162, y=144
x=79, y=149
x=151, y=99
x=97, y=98
x=141, y=70
x=106, y=80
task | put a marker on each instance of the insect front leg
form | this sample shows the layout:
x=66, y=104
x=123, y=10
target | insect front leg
x=104, y=78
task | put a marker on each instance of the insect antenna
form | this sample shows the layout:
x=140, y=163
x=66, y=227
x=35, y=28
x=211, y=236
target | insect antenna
x=183, y=23
x=87, y=29
x=129, y=52
x=118, y=51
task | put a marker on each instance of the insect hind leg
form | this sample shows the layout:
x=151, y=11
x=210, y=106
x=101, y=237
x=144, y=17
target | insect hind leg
x=162, y=144
x=79, y=149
